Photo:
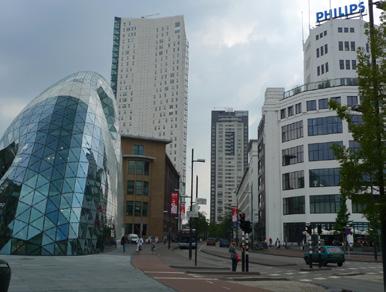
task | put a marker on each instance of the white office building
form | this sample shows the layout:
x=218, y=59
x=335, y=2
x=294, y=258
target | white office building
x=247, y=191
x=298, y=174
x=229, y=159
x=149, y=77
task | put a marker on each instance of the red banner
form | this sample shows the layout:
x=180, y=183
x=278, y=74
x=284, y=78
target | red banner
x=173, y=203
x=182, y=209
x=234, y=214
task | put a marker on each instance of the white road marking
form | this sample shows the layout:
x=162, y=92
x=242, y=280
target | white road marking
x=274, y=275
x=305, y=280
x=181, y=278
x=289, y=273
x=162, y=272
x=371, y=273
x=319, y=278
x=303, y=272
x=334, y=277
x=353, y=268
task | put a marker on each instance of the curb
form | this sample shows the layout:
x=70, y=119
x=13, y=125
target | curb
x=198, y=268
x=223, y=273
x=254, y=279
x=250, y=261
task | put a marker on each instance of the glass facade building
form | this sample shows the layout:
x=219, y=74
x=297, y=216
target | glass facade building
x=60, y=170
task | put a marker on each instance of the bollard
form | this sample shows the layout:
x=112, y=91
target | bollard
x=246, y=252
x=5, y=276
x=310, y=252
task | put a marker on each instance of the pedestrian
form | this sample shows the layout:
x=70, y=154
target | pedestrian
x=235, y=258
x=123, y=243
x=270, y=242
x=277, y=243
x=152, y=241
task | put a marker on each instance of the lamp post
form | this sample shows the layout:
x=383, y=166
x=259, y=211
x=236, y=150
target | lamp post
x=191, y=203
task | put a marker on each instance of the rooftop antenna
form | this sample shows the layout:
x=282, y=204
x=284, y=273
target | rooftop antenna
x=149, y=15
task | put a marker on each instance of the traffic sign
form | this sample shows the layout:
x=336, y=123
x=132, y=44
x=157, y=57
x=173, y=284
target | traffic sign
x=192, y=214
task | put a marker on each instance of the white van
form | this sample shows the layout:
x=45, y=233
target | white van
x=133, y=238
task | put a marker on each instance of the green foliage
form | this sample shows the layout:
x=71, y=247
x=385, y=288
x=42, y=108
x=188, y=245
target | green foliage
x=361, y=176
x=222, y=230
x=201, y=225
x=342, y=217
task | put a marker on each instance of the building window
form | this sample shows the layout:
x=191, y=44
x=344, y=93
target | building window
x=318, y=70
x=346, y=29
x=341, y=64
x=294, y=205
x=293, y=180
x=352, y=29
x=322, y=67
x=352, y=100
x=354, y=64
x=136, y=208
x=324, y=204
x=348, y=65
x=340, y=29
x=337, y=99
x=130, y=187
x=324, y=126
x=352, y=45
x=358, y=207
x=325, y=48
x=323, y=103
x=317, y=53
x=321, y=51
x=326, y=65
x=292, y=155
x=292, y=131
x=138, y=167
x=290, y=111
x=282, y=113
x=322, y=151
x=325, y=177
x=138, y=149
x=356, y=119
x=311, y=105
x=340, y=45
x=298, y=108
x=354, y=145
x=137, y=187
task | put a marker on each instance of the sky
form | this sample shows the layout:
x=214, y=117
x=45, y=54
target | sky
x=238, y=48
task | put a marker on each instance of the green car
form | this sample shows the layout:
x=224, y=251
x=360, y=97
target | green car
x=329, y=254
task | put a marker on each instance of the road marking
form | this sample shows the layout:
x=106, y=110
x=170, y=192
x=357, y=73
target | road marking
x=303, y=272
x=319, y=278
x=274, y=275
x=210, y=282
x=353, y=268
x=371, y=273
x=162, y=272
x=289, y=273
x=334, y=277
x=305, y=280
x=227, y=288
x=182, y=278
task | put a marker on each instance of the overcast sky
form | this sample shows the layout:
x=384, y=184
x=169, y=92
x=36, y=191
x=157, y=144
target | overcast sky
x=237, y=49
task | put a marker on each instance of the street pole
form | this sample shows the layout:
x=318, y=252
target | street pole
x=195, y=251
x=246, y=252
x=380, y=166
x=242, y=252
x=169, y=227
x=191, y=207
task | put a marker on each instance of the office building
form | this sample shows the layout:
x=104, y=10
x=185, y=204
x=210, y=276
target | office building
x=149, y=77
x=298, y=173
x=149, y=179
x=229, y=160
x=60, y=171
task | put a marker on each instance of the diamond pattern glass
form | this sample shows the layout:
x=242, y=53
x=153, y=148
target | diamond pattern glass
x=59, y=170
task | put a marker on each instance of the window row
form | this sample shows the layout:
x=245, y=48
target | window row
x=290, y=110
x=324, y=177
x=322, y=151
x=137, y=187
x=347, y=64
x=346, y=29
x=320, y=35
x=321, y=51
x=138, y=167
x=292, y=131
x=324, y=126
x=136, y=208
x=292, y=155
x=320, y=70
x=346, y=46
x=319, y=204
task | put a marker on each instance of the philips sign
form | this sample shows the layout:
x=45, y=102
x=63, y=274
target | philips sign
x=344, y=11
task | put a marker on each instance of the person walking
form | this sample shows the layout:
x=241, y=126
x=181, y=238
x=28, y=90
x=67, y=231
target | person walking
x=123, y=243
x=235, y=258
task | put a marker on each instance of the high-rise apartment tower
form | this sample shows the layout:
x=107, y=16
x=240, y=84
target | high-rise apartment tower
x=229, y=159
x=149, y=77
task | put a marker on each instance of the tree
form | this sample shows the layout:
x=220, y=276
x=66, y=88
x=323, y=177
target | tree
x=362, y=168
x=342, y=219
x=201, y=225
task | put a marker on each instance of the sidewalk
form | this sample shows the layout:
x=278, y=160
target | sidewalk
x=292, y=252
x=153, y=265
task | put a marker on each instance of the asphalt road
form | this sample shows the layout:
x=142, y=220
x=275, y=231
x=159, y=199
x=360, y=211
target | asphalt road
x=352, y=276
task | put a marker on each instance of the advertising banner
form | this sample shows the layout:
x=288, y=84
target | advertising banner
x=234, y=214
x=182, y=210
x=173, y=203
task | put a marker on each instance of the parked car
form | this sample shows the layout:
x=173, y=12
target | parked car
x=211, y=241
x=329, y=254
x=133, y=238
x=224, y=242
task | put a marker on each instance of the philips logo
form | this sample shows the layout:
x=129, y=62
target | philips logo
x=340, y=12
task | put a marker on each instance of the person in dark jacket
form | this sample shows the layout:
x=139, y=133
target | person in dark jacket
x=123, y=243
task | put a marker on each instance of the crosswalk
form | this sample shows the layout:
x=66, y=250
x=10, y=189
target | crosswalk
x=334, y=273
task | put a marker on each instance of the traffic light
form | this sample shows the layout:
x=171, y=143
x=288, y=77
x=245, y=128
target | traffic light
x=244, y=225
x=309, y=229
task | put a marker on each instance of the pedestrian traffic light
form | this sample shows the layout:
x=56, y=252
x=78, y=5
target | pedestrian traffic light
x=247, y=227
x=242, y=221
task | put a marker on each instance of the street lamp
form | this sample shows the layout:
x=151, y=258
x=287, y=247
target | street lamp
x=191, y=203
